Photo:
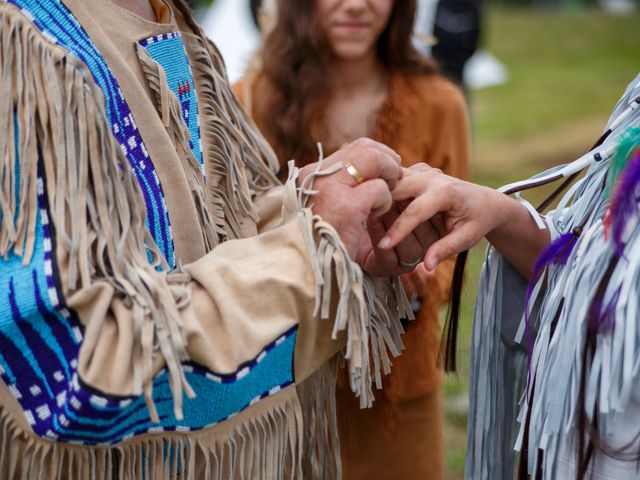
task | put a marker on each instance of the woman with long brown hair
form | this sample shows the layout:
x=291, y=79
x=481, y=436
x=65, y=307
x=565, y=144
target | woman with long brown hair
x=331, y=71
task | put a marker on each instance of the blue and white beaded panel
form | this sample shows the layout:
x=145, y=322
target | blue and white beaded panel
x=168, y=50
x=40, y=338
x=60, y=27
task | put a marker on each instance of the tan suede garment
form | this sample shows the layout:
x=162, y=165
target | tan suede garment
x=252, y=260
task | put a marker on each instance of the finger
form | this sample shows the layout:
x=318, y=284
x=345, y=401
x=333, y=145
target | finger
x=418, y=211
x=419, y=167
x=425, y=233
x=386, y=258
x=439, y=225
x=372, y=162
x=414, y=184
x=459, y=240
x=424, y=275
x=373, y=197
x=409, y=250
x=381, y=147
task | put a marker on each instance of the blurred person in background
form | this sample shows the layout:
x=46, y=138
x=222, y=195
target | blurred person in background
x=331, y=71
x=457, y=31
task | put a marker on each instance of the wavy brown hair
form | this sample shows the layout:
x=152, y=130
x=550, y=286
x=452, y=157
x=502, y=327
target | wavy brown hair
x=292, y=88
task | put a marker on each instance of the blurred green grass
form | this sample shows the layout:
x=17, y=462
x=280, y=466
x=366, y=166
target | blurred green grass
x=567, y=70
x=562, y=65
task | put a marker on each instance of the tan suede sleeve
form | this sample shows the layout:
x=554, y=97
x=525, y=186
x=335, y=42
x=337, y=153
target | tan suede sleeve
x=247, y=292
x=219, y=310
x=244, y=294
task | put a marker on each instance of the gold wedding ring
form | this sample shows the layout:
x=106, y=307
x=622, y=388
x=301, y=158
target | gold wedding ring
x=354, y=173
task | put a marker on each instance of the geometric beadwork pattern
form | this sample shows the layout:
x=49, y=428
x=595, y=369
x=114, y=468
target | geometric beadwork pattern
x=91, y=417
x=168, y=50
x=40, y=338
x=95, y=418
x=57, y=23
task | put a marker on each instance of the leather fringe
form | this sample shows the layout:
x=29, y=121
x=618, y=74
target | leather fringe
x=238, y=161
x=264, y=441
x=317, y=394
x=169, y=110
x=368, y=309
x=49, y=100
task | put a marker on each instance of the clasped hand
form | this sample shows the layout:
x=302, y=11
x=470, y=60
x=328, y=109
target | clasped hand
x=391, y=218
x=361, y=207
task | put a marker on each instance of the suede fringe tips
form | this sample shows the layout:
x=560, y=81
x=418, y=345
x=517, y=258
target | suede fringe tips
x=321, y=452
x=230, y=144
x=169, y=111
x=96, y=204
x=245, y=447
x=368, y=309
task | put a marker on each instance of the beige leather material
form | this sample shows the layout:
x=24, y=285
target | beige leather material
x=263, y=441
x=224, y=304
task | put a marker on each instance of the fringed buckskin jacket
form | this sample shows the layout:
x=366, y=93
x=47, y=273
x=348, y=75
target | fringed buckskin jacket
x=160, y=293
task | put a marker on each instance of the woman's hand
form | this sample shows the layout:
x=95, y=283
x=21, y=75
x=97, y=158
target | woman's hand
x=469, y=212
x=402, y=259
x=463, y=213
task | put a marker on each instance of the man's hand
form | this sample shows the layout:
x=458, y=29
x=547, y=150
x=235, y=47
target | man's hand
x=346, y=203
x=360, y=207
x=406, y=255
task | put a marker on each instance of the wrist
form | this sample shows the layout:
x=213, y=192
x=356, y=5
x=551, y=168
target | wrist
x=510, y=219
x=498, y=208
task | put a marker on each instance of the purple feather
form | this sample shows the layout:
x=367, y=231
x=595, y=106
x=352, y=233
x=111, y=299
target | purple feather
x=557, y=252
x=625, y=202
x=603, y=319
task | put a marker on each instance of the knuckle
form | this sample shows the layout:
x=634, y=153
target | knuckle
x=420, y=167
x=412, y=209
x=448, y=188
x=381, y=187
x=369, y=154
x=425, y=174
x=362, y=142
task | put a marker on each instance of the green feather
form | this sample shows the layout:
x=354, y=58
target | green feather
x=628, y=144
